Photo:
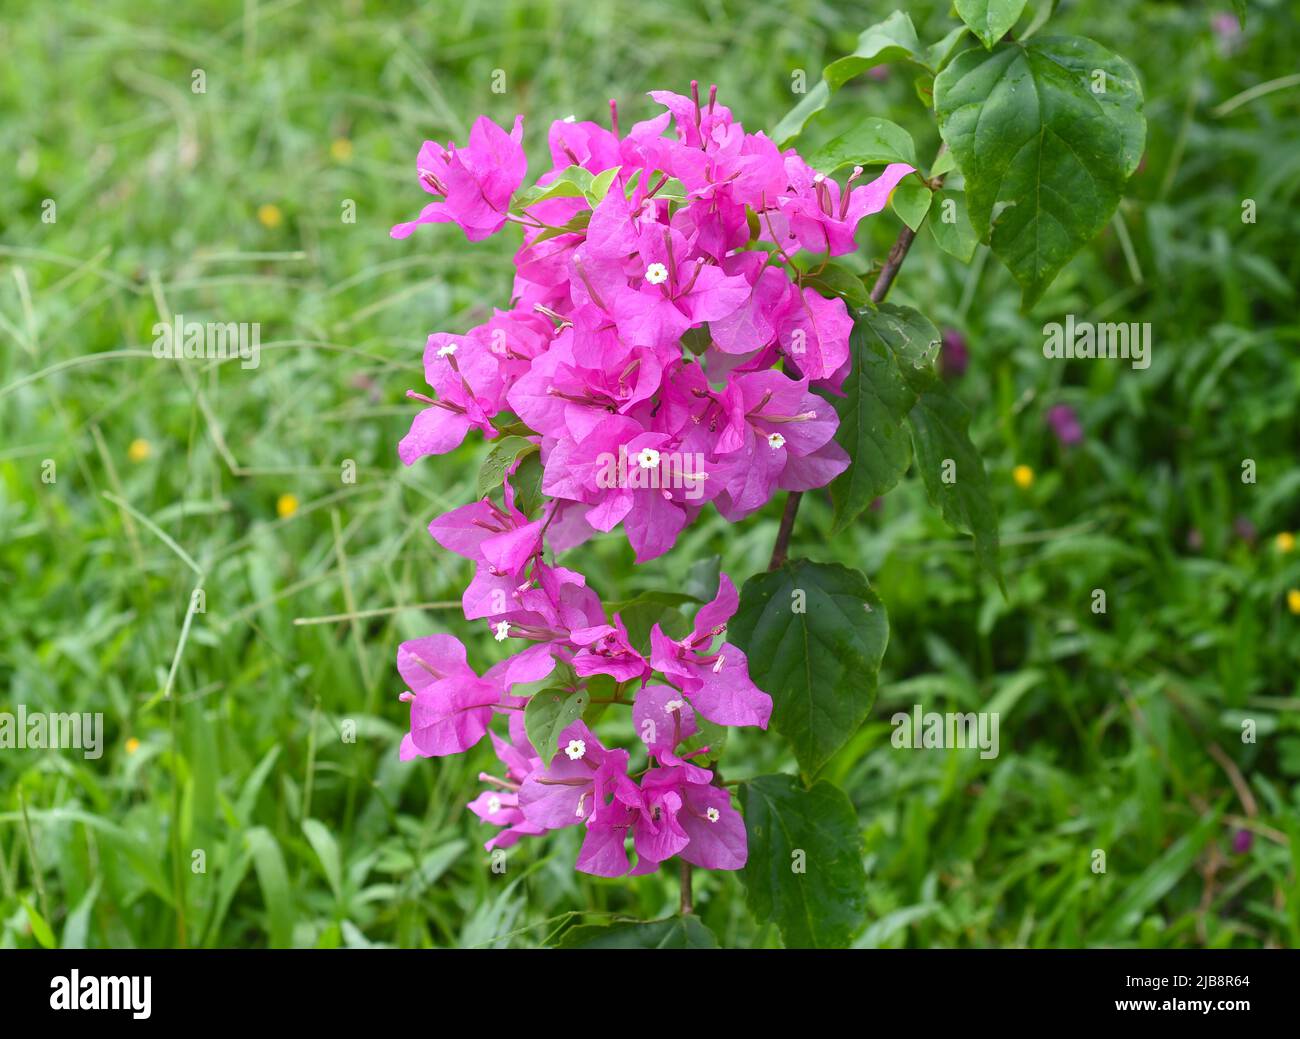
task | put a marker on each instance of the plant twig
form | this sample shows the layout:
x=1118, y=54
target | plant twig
x=687, y=905
x=897, y=254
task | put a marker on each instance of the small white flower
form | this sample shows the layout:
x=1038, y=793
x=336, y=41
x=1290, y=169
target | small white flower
x=674, y=705
x=446, y=350
x=648, y=458
x=718, y=664
x=819, y=178
x=775, y=441
x=502, y=630
x=714, y=815
x=656, y=274
x=575, y=750
x=494, y=805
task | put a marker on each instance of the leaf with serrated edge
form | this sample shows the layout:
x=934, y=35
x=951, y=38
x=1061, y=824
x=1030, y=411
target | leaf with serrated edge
x=805, y=861
x=814, y=634
x=1045, y=158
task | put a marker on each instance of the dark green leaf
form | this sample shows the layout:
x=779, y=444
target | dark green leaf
x=952, y=469
x=869, y=142
x=874, y=408
x=834, y=279
x=990, y=20
x=1045, y=153
x=527, y=483
x=678, y=932
x=814, y=634
x=805, y=861
x=505, y=452
x=641, y=614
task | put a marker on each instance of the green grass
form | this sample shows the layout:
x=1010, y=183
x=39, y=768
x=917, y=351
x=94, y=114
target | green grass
x=1120, y=732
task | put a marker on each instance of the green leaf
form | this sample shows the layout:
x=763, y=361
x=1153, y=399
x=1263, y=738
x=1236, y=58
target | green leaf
x=952, y=469
x=834, y=279
x=911, y=200
x=273, y=878
x=641, y=614
x=549, y=713
x=678, y=932
x=873, y=411
x=527, y=482
x=1140, y=893
x=814, y=634
x=327, y=851
x=1045, y=157
x=990, y=20
x=805, y=861
x=951, y=227
x=600, y=185
x=894, y=39
x=938, y=54
x=40, y=929
x=870, y=142
x=505, y=452
x=570, y=182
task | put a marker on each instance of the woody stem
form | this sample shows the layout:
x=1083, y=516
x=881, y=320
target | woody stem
x=897, y=254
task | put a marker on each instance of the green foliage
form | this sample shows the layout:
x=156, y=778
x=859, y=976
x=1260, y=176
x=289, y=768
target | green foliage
x=805, y=869
x=1047, y=133
x=548, y=713
x=677, y=932
x=814, y=634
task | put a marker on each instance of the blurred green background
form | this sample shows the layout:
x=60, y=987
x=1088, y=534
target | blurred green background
x=1119, y=732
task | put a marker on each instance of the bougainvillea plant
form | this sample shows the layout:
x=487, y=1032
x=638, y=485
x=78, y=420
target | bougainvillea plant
x=681, y=336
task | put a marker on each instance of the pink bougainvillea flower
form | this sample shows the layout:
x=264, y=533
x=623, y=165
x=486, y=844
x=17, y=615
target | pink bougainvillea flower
x=468, y=381
x=717, y=683
x=499, y=806
x=664, y=720
x=771, y=421
x=607, y=650
x=474, y=184
x=450, y=705
x=681, y=815
x=585, y=783
x=824, y=219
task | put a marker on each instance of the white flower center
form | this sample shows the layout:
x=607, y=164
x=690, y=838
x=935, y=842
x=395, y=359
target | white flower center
x=656, y=274
x=713, y=814
x=502, y=630
x=775, y=441
x=674, y=705
x=575, y=750
x=494, y=805
x=447, y=350
x=648, y=458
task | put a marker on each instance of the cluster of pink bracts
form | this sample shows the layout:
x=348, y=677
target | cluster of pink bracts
x=654, y=295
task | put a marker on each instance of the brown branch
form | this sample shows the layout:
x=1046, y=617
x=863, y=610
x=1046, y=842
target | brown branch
x=687, y=905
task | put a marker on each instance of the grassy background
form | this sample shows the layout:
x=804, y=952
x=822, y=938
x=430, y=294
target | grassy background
x=1119, y=732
